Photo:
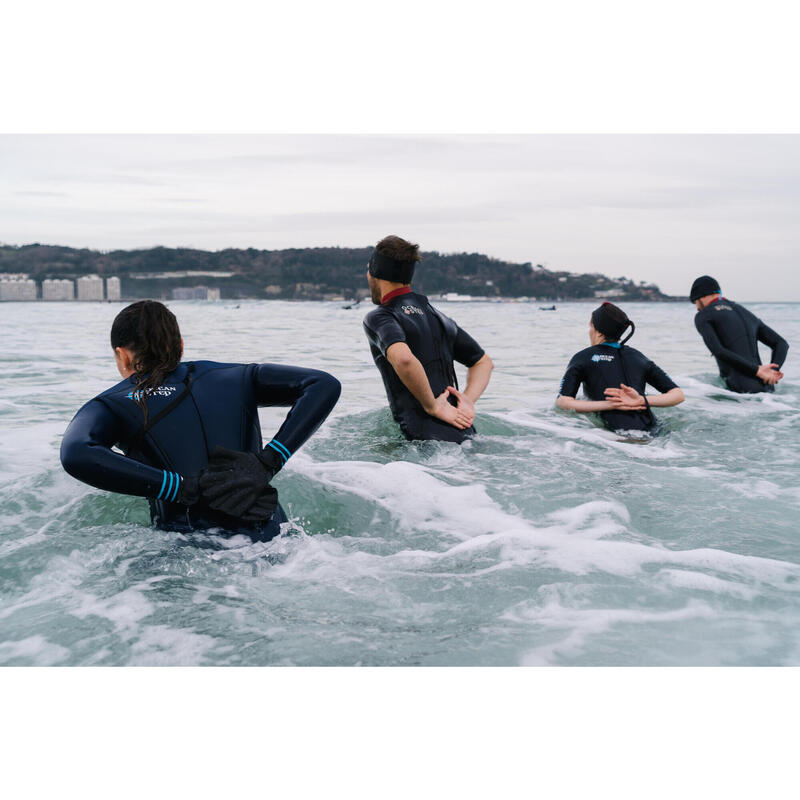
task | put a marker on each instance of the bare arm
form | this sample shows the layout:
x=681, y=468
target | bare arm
x=412, y=374
x=588, y=406
x=626, y=394
x=478, y=377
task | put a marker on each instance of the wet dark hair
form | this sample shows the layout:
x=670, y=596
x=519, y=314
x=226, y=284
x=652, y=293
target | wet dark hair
x=399, y=249
x=150, y=331
x=611, y=321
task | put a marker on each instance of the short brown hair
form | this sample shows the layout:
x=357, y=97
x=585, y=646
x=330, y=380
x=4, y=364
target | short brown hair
x=399, y=249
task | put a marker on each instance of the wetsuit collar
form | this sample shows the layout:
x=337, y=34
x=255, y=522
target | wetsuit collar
x=716, y=300
x=396, y=293
x=615, y=345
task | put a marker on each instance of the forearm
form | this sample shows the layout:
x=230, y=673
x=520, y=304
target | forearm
x=478, y=378
x=583, y=406
x=318, y=394
x=671, y=398
x=413, y=376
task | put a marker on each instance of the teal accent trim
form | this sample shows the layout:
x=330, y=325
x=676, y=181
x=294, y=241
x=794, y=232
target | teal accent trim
x=169, y=488
x=177, y=486
x=283, y=449
x=279, y=452
x=163, y=484
x=615, y=345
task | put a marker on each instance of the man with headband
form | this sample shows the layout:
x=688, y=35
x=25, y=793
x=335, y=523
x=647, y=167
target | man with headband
x=414, y=346
x=732, y=335
x=614, y=376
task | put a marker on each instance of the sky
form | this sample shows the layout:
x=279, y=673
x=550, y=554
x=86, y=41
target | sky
x=655, y=208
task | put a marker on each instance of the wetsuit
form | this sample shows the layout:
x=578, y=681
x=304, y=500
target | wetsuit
x=200, y=405
x=405, y=316
x=606, y=366
x=732, y=333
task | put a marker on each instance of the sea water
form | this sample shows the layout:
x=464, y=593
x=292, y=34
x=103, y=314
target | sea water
x=545, y=540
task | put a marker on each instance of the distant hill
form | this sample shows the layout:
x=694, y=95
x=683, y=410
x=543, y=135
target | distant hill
x=313, y=273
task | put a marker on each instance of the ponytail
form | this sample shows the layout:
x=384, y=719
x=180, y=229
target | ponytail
x=150, y=331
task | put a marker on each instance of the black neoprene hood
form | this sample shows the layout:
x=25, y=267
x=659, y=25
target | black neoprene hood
x=702, y=286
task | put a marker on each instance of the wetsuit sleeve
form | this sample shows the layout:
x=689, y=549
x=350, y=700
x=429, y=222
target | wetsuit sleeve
x=466, y=350
x=659, y=379
x=86, y=454
x=572, y=379
x=779, y=345
x=712, y=342
x=383, y=330
x=311, y=393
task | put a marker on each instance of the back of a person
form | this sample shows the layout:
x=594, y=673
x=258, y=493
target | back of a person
x=611, y=365
x=199, y=406
x=430, y=336
x=737, y=330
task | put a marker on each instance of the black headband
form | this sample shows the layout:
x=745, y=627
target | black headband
x=389, y=269
x=611, y=328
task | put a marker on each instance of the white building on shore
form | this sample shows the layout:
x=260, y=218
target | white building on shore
x=58, y=289
x=17, y=287
x=90, y=287
x=113, y=289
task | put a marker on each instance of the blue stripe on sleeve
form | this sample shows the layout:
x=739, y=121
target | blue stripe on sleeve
x=163, y=483
x=269, y=444
x=169, y=487
x=284, y=450
x=177, y=486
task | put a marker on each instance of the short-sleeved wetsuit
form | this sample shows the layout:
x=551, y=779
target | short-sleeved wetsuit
x=732, y=333
x=607, y=366
x=207, y=404
x=436, y=341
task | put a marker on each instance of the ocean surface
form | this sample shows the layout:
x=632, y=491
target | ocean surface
x=545, y=540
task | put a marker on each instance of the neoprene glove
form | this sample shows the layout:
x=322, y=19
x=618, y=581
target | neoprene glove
x=237, y=484
x=189, y=493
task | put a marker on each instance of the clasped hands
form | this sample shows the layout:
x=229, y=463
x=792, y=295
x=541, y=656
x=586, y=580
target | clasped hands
x=625, y=398
x=460, y=416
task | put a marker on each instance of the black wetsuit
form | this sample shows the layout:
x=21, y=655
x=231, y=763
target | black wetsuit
x=732, y=333
x=206, y=404
x=436, y=341
x=606, y=366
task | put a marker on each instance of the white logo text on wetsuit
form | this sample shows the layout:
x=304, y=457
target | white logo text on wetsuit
x=598, y=357
x=161, y=391
x=412, y=310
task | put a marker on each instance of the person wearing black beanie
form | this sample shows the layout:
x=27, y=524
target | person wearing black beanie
x=732, y=333
x=614, y=376
x=414, y=345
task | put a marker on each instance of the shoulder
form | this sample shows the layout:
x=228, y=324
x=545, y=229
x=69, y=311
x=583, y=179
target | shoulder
x=583, y=355
x=123, y=387
x=379, y=316
x=636, y=355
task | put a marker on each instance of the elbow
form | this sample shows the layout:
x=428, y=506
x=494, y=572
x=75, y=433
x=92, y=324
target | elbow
x=488, y=362
x=71, y=458
x=679, y=396
x=330, y=386
x=562, y=402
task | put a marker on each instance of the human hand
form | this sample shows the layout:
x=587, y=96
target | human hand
x=442, y=410
x=769, y=374
x=625, y=398
x=465, y=405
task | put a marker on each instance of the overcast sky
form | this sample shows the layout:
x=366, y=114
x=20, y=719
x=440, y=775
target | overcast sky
x=655, y=208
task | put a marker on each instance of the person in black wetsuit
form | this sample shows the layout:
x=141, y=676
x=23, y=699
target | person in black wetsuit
x=732, y=333
x=614, y=376
x=189, y=432
x=414, y=346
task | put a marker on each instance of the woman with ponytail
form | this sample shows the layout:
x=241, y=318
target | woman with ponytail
x=189, y=432
x=614, y=376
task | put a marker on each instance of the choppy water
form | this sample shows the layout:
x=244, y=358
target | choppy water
x=543, y=541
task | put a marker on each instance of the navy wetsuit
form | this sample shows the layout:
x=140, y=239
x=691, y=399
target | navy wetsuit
x=436, y=341
x=732, y=333
x=606, y=366
x=206, y=404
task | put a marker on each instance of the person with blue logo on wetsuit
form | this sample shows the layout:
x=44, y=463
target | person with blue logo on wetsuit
x=189, y=431
x=614, y=376
x=732, y=334
x=414, y=345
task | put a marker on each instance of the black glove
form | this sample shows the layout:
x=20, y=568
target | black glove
x=237, y=484
x=189, y=493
